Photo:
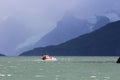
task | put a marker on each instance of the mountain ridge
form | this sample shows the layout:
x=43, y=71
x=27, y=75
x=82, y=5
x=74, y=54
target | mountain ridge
x=67, y=28
x=2, y=54
x=102, y=42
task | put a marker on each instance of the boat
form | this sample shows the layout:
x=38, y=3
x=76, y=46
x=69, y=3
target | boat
x=48, y=58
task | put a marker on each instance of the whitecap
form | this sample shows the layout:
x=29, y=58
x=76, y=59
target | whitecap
x=93, y=76
x=106, y=78
x=2, y=75
x=9, y=75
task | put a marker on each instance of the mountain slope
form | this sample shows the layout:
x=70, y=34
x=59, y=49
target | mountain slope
x=102, y=42
x=2, y=54
x=67, y=28
x=101, y=21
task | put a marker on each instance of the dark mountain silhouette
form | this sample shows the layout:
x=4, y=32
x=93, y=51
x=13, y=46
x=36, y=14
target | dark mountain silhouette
x=101, y=21
x=102, y=42
x=67, y=28
x=2, y=54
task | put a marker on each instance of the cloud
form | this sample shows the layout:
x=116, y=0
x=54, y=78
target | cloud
x=28, y=42
x=90, y=8
x=28, y=18
x=20, y=20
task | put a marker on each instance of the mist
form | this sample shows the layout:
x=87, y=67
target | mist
x=24, y=22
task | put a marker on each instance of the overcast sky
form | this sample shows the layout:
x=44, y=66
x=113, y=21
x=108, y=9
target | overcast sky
x=23, y=22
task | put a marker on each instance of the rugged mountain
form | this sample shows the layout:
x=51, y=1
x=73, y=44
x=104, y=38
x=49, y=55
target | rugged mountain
x=101, y=21
x=67, y=28
x=102, y=42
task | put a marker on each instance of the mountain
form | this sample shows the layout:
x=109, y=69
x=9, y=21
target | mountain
x=102, y=42
x=2, y=54
x=101, y=21
x=67, y=28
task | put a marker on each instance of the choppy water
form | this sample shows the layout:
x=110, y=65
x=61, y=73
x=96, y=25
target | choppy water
x=65, y=68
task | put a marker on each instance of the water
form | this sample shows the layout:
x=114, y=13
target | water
x=65, y=68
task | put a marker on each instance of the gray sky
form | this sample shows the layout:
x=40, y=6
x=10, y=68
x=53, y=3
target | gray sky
x=23, y=22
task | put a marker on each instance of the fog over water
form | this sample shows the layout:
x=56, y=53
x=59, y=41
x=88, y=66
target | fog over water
x=24, y=22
